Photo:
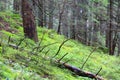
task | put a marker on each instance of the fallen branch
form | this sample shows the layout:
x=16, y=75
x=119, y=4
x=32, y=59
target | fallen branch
x=9, y=38
x=99, y=71
x=21, y=42
x=88, y=57
x=80, y=72
x=62, y=57
x=13, y=46
x=60, y=48
x=43, y=47
x=77, y=71
x=46, y=52
x=40, y=41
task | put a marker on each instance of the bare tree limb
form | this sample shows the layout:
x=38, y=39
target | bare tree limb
x=60, y=47
x=98, y=71
x=79, y=72
x=9, y=38
x=46, y=52
x=88, y=58
x=20, y=42
x=62, y=57
x=38, y=46
x=43, y=47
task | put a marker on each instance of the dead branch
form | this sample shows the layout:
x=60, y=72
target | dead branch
x=46, y=52
x=88, y=58
x=62, y=57
x=66, y=62
x=79, y=72
x=43, y=47
x=98, y=71
x=40, y=41
x=38, y=46
x=21, y=42
x=13, y=46
x=9, y=38
x=60, y=48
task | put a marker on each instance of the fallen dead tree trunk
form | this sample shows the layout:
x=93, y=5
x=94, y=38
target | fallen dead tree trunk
x=80, y=72
x=77, y=71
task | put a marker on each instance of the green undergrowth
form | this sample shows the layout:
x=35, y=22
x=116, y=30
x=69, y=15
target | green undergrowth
x=28, y=63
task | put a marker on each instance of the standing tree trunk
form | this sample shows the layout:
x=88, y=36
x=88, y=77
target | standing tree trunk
x=73, y=17
x=28, y=21
x=111, y=52
x=78, y=18
x=41, y=13
x=3, y=4
x=118, y=43
x=50, y=24
x=16, y=6
x=61, y=11
x=118, y=22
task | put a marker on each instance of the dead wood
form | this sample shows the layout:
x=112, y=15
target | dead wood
x=21, y=40
x=80, y=72
x=13, y=46
x=75, y=70
x=60, y=47
x=9, y=38
x=62, y=57
x=88, y=57
x=99, y=71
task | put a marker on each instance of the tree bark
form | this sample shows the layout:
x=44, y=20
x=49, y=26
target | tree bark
x=73, y=17
x=50, y=24
x=111, y=52
x=3, y=5
x=29, y=21
x=118, y=22
x=16, y=5
x=80, y=72
x=61, y=11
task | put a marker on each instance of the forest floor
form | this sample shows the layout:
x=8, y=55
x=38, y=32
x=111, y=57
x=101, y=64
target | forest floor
x=32, y=61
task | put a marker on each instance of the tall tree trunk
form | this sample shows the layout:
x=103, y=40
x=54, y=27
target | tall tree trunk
x=51, y=8
x=61, y=11
x=3, y=5
x=29, y=21
x=118, y=27
x=16, y=5
x=65, y=21
x=111, y=52
x=40, y=13
x=73, y=17
x=78, y=19
x=118, y=43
